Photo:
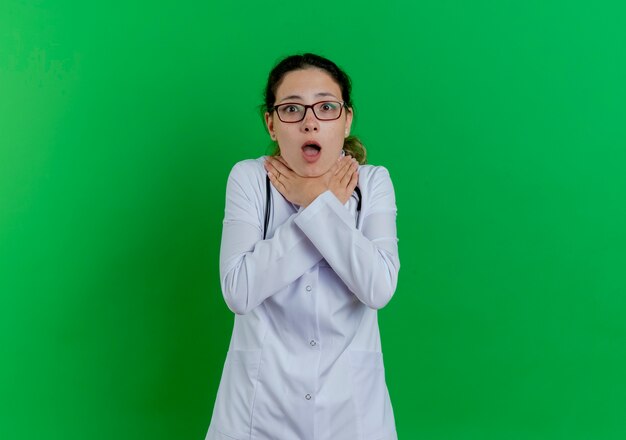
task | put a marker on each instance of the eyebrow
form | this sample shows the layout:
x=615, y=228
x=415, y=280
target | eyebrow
x=300, y=97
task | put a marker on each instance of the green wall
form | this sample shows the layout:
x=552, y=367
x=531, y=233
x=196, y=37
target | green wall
x=503, y=125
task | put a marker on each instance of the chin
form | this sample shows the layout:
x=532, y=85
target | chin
x=315, y=170
x=307, y=172
x=304, y=169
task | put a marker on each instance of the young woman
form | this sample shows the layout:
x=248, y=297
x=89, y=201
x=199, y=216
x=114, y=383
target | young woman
x=309, y=253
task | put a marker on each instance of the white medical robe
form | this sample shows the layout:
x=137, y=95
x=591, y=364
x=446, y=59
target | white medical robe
x=305, y=360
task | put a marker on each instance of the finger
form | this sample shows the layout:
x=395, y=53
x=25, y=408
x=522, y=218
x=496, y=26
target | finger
x=281, y=166
x=273, y=167
x=345, y=171
x=339, y=164
x=351, y=170
x=270, y=168
x=283, y=161
x=353, y=181
x=340, y=167
x=277, y=184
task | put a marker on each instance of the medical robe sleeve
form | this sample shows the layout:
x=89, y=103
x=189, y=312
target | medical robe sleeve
x=252, y=269
x=366, y=261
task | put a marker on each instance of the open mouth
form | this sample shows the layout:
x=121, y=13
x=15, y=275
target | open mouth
x=311, y=149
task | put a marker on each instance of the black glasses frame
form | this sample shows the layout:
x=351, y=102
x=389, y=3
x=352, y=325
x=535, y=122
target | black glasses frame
x=312, y=107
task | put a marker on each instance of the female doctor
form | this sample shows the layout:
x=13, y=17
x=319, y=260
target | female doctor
x=305, y=360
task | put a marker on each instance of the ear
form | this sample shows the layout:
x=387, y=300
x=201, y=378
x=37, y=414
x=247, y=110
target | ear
x=349, y=117
x=269, y=122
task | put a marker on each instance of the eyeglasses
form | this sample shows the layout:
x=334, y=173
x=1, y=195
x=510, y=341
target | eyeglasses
x=323, y=110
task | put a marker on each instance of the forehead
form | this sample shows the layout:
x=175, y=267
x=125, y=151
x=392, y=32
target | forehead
x=307, y=83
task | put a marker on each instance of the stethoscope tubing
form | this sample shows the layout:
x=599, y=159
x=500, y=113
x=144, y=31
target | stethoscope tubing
x=268, y=204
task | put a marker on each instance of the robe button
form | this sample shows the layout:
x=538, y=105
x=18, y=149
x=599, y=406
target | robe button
x=309, y=288
x=307, y=397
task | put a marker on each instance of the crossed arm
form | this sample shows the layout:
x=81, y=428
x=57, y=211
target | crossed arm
x=366, y=260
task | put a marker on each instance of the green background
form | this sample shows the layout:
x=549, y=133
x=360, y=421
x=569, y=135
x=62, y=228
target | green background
x=502, y=123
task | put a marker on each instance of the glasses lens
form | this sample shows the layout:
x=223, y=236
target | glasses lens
x=290, y=112
x=324, y=111
x=327, y=110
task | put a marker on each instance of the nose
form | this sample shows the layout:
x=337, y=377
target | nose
x=309, y=123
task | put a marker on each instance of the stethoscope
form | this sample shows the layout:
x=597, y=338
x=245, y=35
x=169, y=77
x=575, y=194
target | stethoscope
x=268, y=204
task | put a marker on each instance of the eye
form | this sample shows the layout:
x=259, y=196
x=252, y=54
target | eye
x=328, y=106
x=291, y=108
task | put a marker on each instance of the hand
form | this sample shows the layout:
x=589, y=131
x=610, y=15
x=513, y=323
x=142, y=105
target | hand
x=341, y=179
x=296, y=189
x=344, y=179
